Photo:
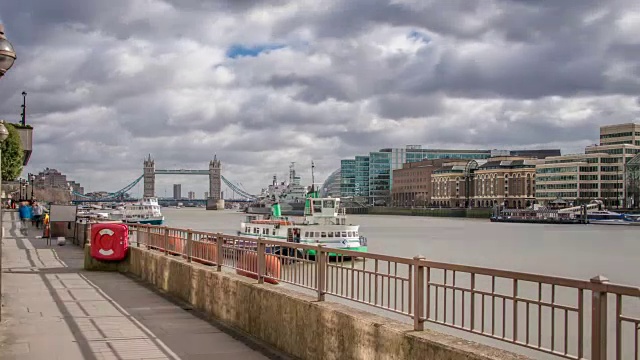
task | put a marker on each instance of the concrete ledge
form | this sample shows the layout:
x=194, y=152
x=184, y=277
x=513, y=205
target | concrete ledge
x=295, y=323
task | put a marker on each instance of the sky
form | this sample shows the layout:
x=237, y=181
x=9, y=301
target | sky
x=261, y=84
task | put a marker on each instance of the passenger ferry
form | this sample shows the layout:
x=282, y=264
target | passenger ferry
x=604, y=217
x=147, y=211
x=323, y=223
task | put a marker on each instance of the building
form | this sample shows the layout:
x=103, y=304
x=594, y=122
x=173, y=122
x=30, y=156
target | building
x=191, y=195
x=412, y=184
x=452, y=184
x=51, y=178
x=177, y=191
x=371, y=180
x=508, y=181
x=620, y=134
x=206, y=194
x=578, y=179
x=332, y=185
x=75, y=187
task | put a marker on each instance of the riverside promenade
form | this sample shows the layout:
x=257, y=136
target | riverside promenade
x=53, y=309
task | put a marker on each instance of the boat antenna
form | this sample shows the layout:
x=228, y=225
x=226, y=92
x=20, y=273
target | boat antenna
x=313, y=182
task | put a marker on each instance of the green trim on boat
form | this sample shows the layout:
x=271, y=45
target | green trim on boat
x=359, y=248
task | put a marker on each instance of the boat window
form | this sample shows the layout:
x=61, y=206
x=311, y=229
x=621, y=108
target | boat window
x=349, y=234
x=323, y=234
x=344, y=234
x=317, y=205
x=247, y=230
x=256, y=230
x=273, y=232
x=306, y=234
x=265, y=231
x=330, y=234
x=328, y=204
x=317, y=234
x=355, y=233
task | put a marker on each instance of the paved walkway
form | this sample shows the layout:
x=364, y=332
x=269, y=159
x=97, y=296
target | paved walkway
x=52, y=309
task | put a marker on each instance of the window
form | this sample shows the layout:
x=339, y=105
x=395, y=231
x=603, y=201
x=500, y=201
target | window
x=265, y=231
x=273, y=232
x=317, y=206
x=323, y=234
x=344, y=234
x=247, y=230
x=317, y=234
x=329, y=204
x=330, y=234
x=306, y=234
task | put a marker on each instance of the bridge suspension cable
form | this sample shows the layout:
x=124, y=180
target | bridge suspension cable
x=237, y=189
x=113, y=195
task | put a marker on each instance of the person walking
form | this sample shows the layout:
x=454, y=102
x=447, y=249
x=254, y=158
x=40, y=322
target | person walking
x=25, y=215
x=38, y=210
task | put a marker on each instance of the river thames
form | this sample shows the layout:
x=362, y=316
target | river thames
x=576, y=251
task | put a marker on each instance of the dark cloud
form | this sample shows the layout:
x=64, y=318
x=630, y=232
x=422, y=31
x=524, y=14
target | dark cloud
x=112, y=81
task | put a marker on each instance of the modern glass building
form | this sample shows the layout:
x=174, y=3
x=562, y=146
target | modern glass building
x=374, y=173
x=347, y=178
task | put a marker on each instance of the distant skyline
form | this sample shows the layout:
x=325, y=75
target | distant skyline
x=262, y=85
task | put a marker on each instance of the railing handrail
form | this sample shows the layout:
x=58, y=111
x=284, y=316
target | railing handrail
x=418, y=286
x=613, y=288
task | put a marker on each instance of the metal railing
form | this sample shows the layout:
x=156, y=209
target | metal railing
x=564, y=317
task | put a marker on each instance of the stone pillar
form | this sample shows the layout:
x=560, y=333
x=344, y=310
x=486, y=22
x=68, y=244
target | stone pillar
x=215, y=201
x=149, y=177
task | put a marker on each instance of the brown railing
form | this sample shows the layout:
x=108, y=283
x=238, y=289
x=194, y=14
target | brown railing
x=564, y=317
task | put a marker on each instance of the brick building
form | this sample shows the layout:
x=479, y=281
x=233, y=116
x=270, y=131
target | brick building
x=412, y=183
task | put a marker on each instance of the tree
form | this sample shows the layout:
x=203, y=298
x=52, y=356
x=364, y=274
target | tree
x=12, y=155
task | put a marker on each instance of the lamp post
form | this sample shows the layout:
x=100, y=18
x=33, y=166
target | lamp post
x=32, y=179
x=7, y=54
x=7, y=58
x=24, y=108
x=4, y=133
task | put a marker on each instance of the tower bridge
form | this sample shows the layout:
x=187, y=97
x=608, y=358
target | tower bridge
x=148, y=178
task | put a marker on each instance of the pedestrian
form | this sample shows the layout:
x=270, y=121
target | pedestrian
x=38, y=210
x=25, y=215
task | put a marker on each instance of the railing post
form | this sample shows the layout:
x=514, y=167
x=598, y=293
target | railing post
x=220, y=257
x=262, y=264
x=321, y=272
x=189, y=243
x=418, y=293
x=599, y=319
x=166, y=241
x=137, y=232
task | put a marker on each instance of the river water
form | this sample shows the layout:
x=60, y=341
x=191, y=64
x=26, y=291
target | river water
x=570, y=251
x=576, y=251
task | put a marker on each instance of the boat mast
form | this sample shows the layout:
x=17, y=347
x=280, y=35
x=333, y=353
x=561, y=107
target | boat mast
x=313, y=182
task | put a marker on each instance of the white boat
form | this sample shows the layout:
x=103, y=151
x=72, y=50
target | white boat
x=604, y=217
x=147, y=211
x=322, y=223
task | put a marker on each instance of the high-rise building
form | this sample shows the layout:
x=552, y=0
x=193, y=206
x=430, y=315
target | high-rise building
x=177, y=191
x=191, y=195
x=206, y=194
x=620, y=134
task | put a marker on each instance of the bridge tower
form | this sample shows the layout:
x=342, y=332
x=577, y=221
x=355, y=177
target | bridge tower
x=149, y=177
x=215, y=200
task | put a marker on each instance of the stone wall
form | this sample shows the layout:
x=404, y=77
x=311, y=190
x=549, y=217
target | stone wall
x=292, y=322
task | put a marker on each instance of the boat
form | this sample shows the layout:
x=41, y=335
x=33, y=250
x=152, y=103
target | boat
x=323, y=223
x=290, y=195
x=605, y=217
x=146, y=211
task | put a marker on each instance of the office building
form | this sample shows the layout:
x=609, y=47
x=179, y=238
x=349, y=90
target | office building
x=191, y=195
x=177, y=191
x=372, y=179
x=620, y=134
x=206, y=194
x=412, y=184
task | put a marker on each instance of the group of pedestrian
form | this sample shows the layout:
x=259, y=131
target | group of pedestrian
x=31, y=210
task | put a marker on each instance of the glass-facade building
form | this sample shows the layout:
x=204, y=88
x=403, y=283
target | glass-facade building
x=373, y=178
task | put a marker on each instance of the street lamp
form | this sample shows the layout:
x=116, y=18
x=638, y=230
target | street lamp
x=7, y=54
x=24, y=108
x=4, y=133
x=32, y=178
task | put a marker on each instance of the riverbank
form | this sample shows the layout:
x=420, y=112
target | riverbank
x=481, y=213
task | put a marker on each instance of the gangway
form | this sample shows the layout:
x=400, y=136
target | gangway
x=595, y=205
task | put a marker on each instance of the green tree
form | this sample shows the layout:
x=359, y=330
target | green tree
x=12, y=155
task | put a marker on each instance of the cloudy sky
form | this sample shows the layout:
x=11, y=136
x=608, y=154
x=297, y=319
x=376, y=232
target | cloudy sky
x=260, y=85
